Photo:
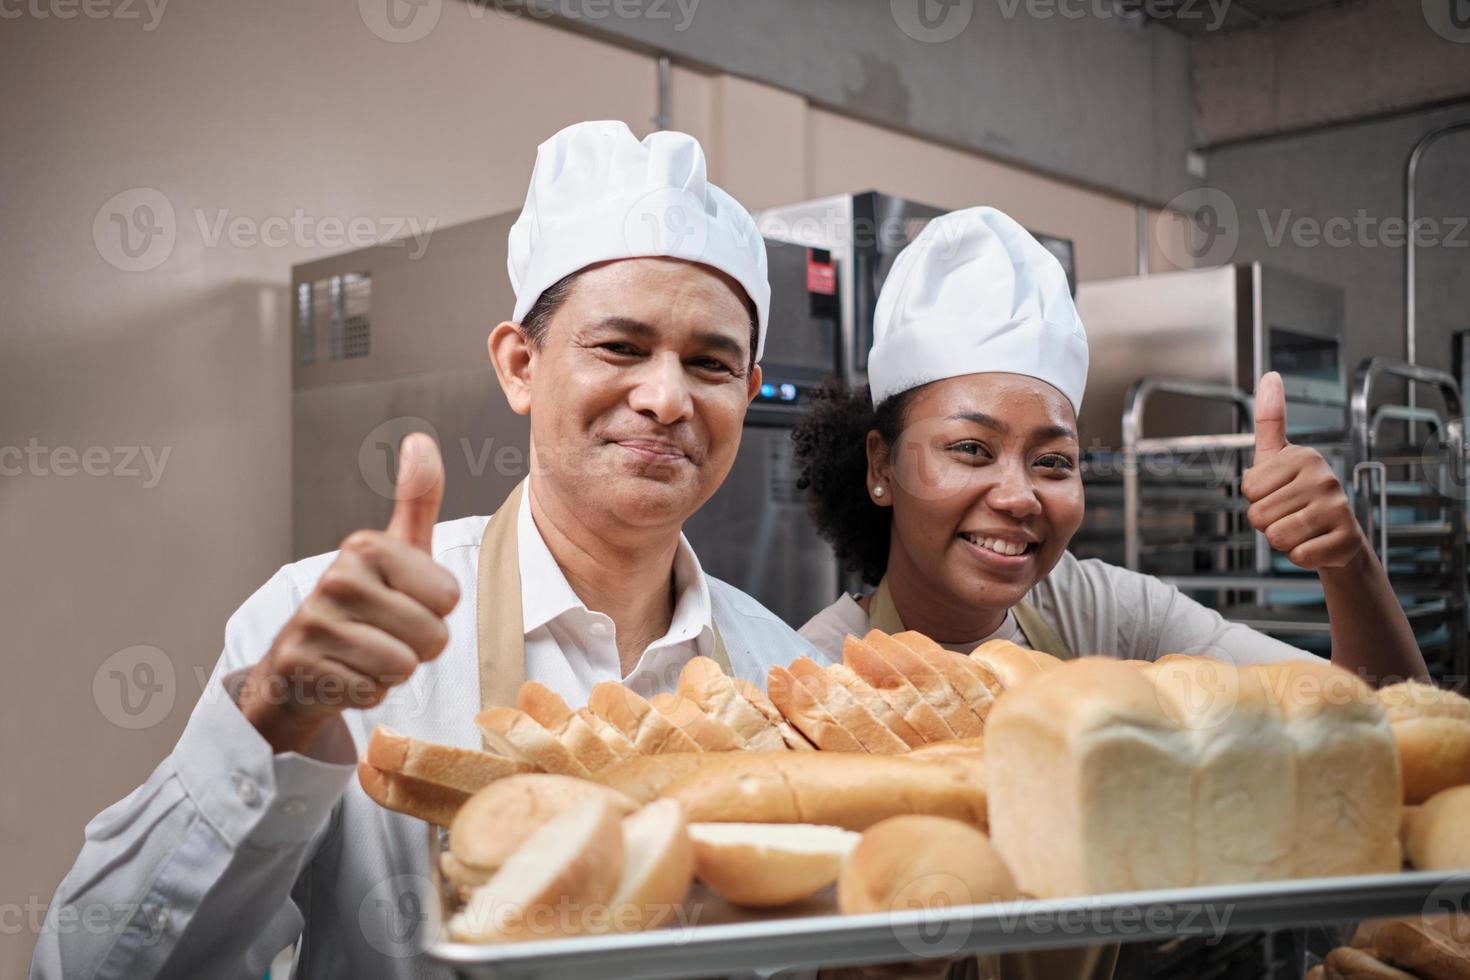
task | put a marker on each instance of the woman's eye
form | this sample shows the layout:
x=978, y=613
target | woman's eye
x=970, y=447
x=1055, y=462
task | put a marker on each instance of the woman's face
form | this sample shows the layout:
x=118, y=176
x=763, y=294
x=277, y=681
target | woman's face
x=984, y=485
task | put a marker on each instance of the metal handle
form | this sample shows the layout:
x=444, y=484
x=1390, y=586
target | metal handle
x=1375, y=466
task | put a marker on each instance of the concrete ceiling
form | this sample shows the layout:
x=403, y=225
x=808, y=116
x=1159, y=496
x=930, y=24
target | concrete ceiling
x=1199, y=17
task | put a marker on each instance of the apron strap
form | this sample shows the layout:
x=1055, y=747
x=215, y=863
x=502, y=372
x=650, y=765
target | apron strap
x=500, y=635
x=883, y=615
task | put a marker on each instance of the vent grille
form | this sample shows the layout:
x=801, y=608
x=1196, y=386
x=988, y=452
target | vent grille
x=343, y=303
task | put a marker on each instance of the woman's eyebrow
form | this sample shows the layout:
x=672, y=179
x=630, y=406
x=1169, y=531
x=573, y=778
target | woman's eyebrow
x=1039, y=433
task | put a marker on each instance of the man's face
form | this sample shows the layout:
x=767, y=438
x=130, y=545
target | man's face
x=638, y=390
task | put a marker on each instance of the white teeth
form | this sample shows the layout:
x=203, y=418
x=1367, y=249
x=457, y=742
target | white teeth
x=998, y=545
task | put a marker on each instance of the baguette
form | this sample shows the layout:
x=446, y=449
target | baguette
x=414, y=797
x=703, y=682
x=848, y=711
x=848, y=790
x=803, y=708
x=712, y=734
x=929, y=682
x=1431, y=727
x=892, y=686
x=643, y=725
x=873, y=701
x=758, y=700
x=466, y=770
x=547, y=708
x=645, y=777
x=615, y=740
x=514, y=733
x=971, y=679
x=967, y=748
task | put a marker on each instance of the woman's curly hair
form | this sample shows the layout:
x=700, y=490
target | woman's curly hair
x=832, y=463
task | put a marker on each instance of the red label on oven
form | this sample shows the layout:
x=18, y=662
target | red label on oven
x=821, y=277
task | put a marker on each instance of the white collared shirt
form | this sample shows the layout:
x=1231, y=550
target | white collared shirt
x=229, y=852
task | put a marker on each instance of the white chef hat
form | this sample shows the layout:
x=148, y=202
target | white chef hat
x=598, y=194
x=976, y=292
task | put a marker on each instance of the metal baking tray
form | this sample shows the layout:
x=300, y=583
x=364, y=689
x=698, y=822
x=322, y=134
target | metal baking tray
x=711, y=938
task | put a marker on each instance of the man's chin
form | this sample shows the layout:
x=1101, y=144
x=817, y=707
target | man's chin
x=646, y=497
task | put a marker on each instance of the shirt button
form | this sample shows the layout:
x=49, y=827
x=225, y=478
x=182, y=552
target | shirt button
x=294, y=806
x=599, y=629
x=247, y=789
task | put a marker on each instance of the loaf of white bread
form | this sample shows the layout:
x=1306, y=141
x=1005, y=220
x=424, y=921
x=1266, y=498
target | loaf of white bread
x=1105, y=776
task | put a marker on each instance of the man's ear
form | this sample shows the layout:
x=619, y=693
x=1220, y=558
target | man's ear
x=880, y=470
x=512, y=357
x=753, y=384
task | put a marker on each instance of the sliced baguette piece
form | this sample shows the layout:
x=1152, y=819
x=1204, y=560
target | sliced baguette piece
x=712, y=734
x=615, y=740
x=548, y=709
x=495, y=821
x=790, y=736
x=466, y=770
x=973, y=670
x=804, y=709
x=873, y=701
x=768, y=865
x=974, y=684
x=643, y=725
x=703, y=682
x=658, y=867
x=849, y=712
x=570, y=865
x=893, y=687
x=1011, y=664
x=404, y=794
x=512, y=732
x=929, y=682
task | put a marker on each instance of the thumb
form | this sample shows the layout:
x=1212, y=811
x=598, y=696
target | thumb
x=1270, y=414
x=419, y=491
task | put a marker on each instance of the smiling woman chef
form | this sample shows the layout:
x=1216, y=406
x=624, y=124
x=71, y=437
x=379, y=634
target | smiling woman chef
x=957, y=486
x=633, y=349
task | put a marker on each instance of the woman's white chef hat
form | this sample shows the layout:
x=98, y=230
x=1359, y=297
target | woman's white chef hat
x=598, y=194
x=975, y=292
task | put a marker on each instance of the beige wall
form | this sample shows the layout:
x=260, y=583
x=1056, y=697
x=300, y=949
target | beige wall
x=260, y=110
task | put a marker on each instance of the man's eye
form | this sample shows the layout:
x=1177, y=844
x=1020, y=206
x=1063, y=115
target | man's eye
x=711, y=364
x=620, y=348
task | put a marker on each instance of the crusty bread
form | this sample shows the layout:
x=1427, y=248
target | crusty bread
x=767, y=865
x=880, y=709
x=703, y=682
x=712, y=734
x=848, y=711
x=512, y=732
x=645, y=777
x=803, y=707
x=922, y=862
x=643, y=725
x=1431, y=727
x=658, y=867
x=972, y=680
x=1011, y=664
x=850, y=790
x=568, y=727
x=571, y=865
x=967, y=747
x=1438, y=837
x=1109, y=778
x=894, y=687
x=792, y=738
x=404, y=794
x=494, y=822
x=929, y=682
x=615, y=740
x=465, y=770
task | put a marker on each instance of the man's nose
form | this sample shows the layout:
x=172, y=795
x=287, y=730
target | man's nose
x=662, y=390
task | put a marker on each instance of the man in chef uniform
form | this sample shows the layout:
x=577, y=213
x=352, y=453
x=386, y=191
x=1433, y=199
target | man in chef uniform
x=641, y=306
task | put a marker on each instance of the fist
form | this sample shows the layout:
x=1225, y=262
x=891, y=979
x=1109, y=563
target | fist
x=376, y=613
x=1295, y=499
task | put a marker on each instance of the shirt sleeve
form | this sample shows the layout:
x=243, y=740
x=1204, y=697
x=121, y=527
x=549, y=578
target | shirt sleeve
x=192, y=873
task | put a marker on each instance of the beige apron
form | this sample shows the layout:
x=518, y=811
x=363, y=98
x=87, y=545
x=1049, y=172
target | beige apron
x=1073, y=963
x=500, y=635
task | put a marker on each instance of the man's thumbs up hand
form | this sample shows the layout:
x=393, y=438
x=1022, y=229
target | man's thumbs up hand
x=1295, y=499
x=375, y=614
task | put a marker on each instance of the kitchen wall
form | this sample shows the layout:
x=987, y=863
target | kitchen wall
x=144, y=368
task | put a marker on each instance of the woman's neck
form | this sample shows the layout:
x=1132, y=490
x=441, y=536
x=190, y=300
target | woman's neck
x=928, y=608
x=628, y=579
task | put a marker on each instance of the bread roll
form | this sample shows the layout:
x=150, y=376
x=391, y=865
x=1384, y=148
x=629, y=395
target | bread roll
x=1432, y=729
x=922, y=862
x=767, y=865
x=848, y=790
x=513, y=733
x=404, y=794
x=658, y=867
x=568, y=868
x=465, y=770
x=1012, y=664
x=1106, y=777
x=1439, y=833
x=493, y=823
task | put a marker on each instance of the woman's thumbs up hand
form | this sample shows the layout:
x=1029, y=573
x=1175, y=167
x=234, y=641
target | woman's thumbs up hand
x=1295, y=499
x=375, y=614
